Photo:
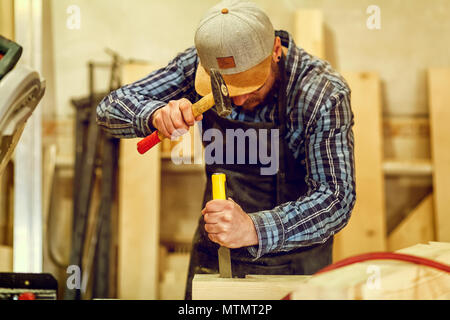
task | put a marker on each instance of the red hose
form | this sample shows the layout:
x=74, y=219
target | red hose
x=386, y=256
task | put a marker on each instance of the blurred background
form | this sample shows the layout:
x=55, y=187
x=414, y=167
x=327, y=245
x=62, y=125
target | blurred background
x=141, y=212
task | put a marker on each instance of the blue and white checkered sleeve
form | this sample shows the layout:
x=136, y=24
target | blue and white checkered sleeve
x=126, y=112
x=327, y=206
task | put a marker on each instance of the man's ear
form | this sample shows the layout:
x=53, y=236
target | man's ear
x=276, y=55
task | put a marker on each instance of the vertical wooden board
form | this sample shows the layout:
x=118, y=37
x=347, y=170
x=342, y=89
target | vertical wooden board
x=417, y=227
x=309, y=31
x=139, y=206
x=366, y=230
x=6, y=259
x=7, y=19
x=439, y=95
x=139, y=198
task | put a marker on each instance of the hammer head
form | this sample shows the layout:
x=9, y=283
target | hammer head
x=220, y=93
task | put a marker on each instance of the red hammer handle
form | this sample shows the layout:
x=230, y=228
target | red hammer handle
x=198, y=108
x=149, y=142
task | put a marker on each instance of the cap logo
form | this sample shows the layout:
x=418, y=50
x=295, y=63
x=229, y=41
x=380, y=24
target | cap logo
x=226, y=62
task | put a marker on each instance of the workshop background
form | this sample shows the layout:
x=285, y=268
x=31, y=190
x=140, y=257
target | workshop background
x=395, y=55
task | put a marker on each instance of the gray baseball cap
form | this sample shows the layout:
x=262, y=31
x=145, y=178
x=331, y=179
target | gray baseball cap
x=236, y=38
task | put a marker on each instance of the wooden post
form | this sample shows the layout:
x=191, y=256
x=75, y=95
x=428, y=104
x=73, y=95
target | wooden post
x=309, y=32
x=139, y=203
x=366, y=230
x=439, y=95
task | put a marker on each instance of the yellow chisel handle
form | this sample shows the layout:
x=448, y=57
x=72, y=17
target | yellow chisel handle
x=218, y=186
x=218, y=192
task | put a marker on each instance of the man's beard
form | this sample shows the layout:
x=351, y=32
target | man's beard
x=255, y=100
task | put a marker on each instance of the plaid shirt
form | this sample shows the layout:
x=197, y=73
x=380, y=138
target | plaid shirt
x=319, y=126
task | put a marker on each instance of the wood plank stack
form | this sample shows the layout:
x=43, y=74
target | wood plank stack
x=410, y=136
x=375, y=279
x=384, y=279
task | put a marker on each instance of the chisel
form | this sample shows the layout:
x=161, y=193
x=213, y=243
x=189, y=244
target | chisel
x=218, y=192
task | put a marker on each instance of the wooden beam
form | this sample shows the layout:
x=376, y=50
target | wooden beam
x=139, y=203
x=407, y=137
x=309, y=31
x=253, y=287
x=417, y=227
x=414, y=167
x=439, y=95
x=366, y=230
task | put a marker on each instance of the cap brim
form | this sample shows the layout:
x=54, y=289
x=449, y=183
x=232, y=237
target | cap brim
x=238, y=83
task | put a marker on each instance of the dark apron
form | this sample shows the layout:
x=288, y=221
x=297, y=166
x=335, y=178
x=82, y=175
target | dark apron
x=255, y=192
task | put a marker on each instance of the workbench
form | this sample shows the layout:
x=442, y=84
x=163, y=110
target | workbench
x=368, y=280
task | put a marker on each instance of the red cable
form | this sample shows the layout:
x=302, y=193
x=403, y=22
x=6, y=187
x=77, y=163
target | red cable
x=386, y=256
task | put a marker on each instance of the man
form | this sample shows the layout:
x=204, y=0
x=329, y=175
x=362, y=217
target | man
x=281, y=223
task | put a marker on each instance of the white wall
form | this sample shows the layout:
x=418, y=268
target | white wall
x=142, y=29
x=414, y=35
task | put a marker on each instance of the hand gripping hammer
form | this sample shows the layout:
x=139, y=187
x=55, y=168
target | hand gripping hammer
x=219, y=96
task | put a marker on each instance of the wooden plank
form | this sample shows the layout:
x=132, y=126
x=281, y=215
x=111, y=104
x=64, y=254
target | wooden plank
x=417, y=227
x=309, y=31
x=7, y=19
x=407, y=137
x=139, y=197
x=259, y=287
x=414, y=167
x=139, y=205
x=384, y=279
x=174, y=275
x=6, y=259
x=366, y=230
x=439, y=95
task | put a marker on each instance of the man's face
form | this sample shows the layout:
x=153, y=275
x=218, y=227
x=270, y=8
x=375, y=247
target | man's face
x=250, y=100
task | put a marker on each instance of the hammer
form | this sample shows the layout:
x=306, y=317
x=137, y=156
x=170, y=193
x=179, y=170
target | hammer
x=219, y=96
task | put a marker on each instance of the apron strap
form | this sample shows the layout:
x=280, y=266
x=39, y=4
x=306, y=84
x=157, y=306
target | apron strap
x=281, y=174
